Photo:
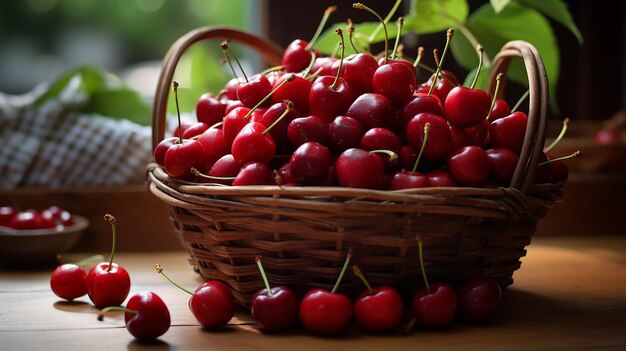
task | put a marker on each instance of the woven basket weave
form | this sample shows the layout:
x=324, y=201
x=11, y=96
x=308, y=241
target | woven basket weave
x=303, y=233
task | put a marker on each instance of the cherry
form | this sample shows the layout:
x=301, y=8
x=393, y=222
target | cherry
x=478, y=299
x=345, y=133
x=371, y=109
x=209, y=109
x=298, y=93
x=466, y=106
x=273, y=308
x=395, y=81
x=146, y=316
x=331, y=96
x=252, y=92
x=69, y=281
x=212, y=303
x=380, y=138
x=253, y=144
x=500, y=109
x=254, y=173
x=6, y=214
x=310, y=163
x=377, y=309
x=306, y=129
x=421, y=103
x=440, y=142
x=358, y=168
x=554, y=170
x=324, y=311
x=323, y=66
x=227, y=167
x=412, y=179
x=231, y=89
x=235, y=120
x=24, y=220
x=358, y=71
x=509, y=132
x=435, y=305
x=46, y=219
x=108, y=283
x=279, y=131
x=214, y=145
x=469, y=165
x=195, y=129
x=502, y=163
x=441, y=178
x=161, y=149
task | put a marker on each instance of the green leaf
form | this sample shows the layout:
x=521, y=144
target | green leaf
x=431, y=16
x=119, y=103
x=499, y=5
x=327, y=41
x=91, y=79
x=515, y=22
x=558, y=11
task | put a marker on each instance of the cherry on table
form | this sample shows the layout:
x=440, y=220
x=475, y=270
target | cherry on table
x=378, y=309
x=273, y=308
x=69, y=280
x=479, y=299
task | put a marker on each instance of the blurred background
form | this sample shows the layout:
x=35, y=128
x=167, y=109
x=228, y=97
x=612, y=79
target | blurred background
x=41, y=39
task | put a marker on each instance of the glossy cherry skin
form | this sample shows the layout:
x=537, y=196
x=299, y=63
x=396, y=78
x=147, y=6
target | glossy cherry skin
x=24, y=220
x=328, y=102
x=372, y=110
x=214, y=144
x=469, y=165
x=276, y=312
x=479, y=299
x=61, y=215
x=251, y=145
x=152, y=318
x=45, y=219
x=254, y=90
x=310, y=163
x=500, y=109
x=296, y=91
x=213, y=304
x=466, y=107
x=441, y=178
x=439, y=142
x=279, y=130
x=324, y=66
x=502, y=163
x=421, y=103
x=195, y=130
x=231, y=88
x=357, y=168
x=306, y=129
x=254, y=173
x=380, y=139
x=180, y=158
x=378, y=311
x=509, y=131
x=6, y=214
x=325, y=312
x=395, y=81
x=184, y=125
x=210, y=109
x=436, y=309
x=358, y=70
x=69, y=281
x=296, y=57
x=345, y=133
x=235, y=120
x=225, y=166
x=161, y=149
x=408, y=180
x=107, y=287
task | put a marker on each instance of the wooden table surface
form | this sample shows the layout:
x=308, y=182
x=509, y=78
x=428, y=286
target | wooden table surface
x=570, y=293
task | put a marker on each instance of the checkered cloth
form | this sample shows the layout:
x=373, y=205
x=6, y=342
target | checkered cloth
x=53, y=146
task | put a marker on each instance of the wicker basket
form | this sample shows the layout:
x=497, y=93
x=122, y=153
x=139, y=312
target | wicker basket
x=303, y=233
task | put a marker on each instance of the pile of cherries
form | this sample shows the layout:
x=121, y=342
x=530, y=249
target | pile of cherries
x=360, y=121
x=53, y=217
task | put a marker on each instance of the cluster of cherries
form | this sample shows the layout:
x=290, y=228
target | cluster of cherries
x=359, y=121
x=53, y=217
x=107, y=285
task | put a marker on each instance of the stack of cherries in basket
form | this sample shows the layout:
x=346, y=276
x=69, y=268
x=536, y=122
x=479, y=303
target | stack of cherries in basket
x=361, y=121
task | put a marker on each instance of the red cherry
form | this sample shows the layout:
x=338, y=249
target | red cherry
x=441, y=178
x=421, y=104
x=253, y=144
x=377, y=309
x=235, y=120
x=308, y=129
x=372, y=110
x=329, y=99
x=214, y=145
x=469, y=165
x=357, y=168
x=180, y=158
x=254, y=173
x=478, y=299
x=380, y=139
x=604, y=137
x=509, y=131
x=310, y=163
x=161, y=149
x=46, y=219
x=213, y=304
x=395, y=81
x=151, y=317
x=209, y=109
x=324, y=66
x=358, y=70
x=24, y=220
x=500, y=109
x=297, y=92
x=440, y=140
x=345, y=133
x=296, y=56
x=502, y=163
x=466, y=107
x=274, y=308
x=434, y=308
x=195, y=130
x=69, y=281
x=6, y=214
x=251, y=93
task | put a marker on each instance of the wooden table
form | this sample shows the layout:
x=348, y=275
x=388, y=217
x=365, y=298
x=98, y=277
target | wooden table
x=569, y=294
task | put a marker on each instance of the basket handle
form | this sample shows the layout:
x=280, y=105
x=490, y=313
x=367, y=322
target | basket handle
x=538, y=107
x=271, y=52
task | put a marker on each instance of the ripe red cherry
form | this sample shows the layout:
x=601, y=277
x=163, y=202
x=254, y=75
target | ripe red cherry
x=395, y=81
x=195, y=130
x=434, y=307
x=296, y=56
x=479, y=299
x=466, y=107
x=357, y=168
x=24, y=220
x=181, y=157
x=372, y=110
x=151, y=317
x=306, y=129
x=69, y=281
x=502, y=163
x=297, y=92
x=250, y=93
x=358, y=70
x=380, y=139
x=274, y=308
x=439, y=140
x=378, y=309
x=469, y=165
x=214, y=145
x=440, y=177
x=108, y=283
x=253, y=144
x=273, y=113
x=6, y=214
x=310, y=163
x=209, y=109
x=330, y=97
x=509, y=131
x=421, y=103
x=500, y=109
x=254, y=173
x=161, y=149
x=235, y=120
x=46, y=219
x=345, y=133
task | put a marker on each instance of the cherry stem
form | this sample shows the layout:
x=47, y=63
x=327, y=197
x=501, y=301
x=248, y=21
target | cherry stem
x=197, y=173
x=88, y=260
x=359, y=274
x=559, y=137
x=392, y=155
x=421, y=257
x=272, y=69
x=419, y=155
x=113, y=222
x=574, y=155
x=264, y=276
x=449, y=35
x=343, y=270
x=289, y=108
x=495, y=94
x=400, y=23
x=311, y=63
x=159, y=270
x=225, y=47
x=389, y=15
x=339, y=32
x=226, y=59
x=180, y=127
x=327, y=14
x=420, y=54
x=480, y=50
x=289, y=78
x=350, y=30
x=360, y=6
x=519, y=102
x=114, y=308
